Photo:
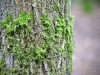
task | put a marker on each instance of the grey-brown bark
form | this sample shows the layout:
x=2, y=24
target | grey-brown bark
x=57, y=62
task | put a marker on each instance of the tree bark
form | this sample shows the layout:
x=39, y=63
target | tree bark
x=54, y=62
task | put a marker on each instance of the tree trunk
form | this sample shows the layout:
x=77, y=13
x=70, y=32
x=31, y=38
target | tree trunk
x=36, y=37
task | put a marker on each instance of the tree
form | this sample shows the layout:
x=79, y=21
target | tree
x=36, y=37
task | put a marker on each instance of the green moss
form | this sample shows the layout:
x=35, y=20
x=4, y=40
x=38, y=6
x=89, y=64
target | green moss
x=62, y=30
x=21, y=43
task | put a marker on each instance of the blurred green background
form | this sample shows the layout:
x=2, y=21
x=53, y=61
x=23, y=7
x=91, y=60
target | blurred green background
x=87, y=5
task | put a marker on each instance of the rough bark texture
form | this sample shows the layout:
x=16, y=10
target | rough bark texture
x=56, y=62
